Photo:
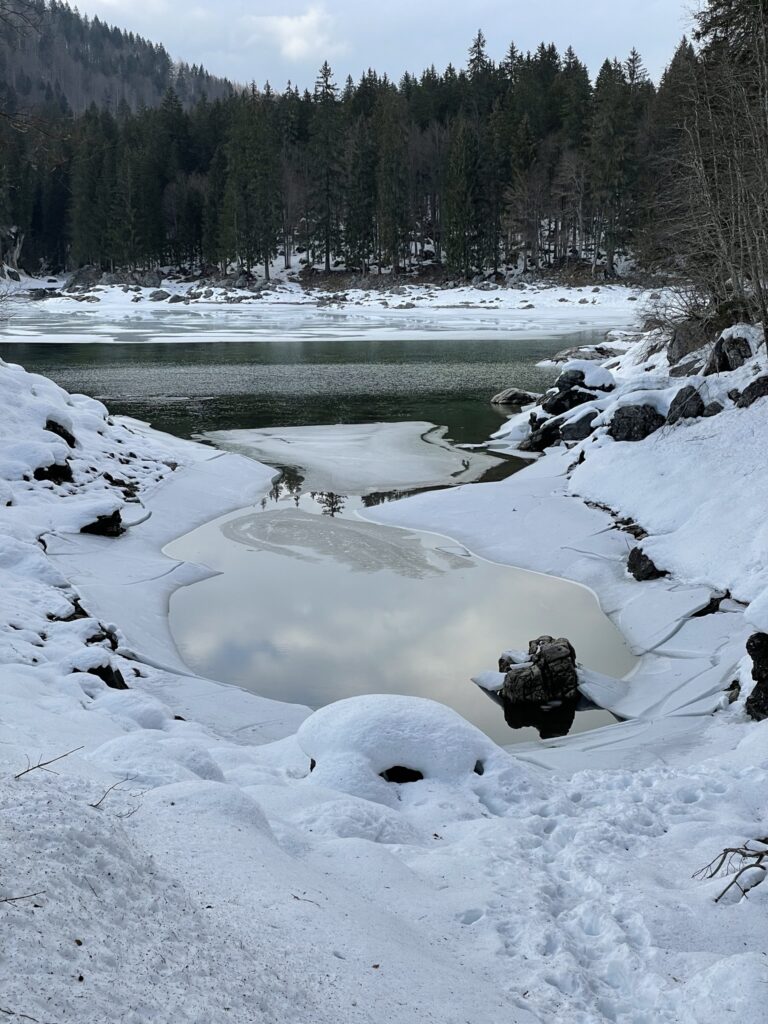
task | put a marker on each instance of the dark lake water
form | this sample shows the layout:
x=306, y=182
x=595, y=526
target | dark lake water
x=190, y=387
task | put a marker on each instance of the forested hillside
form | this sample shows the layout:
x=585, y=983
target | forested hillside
x=527, y=163
x=53, y=59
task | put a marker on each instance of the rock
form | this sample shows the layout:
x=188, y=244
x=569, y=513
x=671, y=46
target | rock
x=593, y=353
x=147, y=278
x=540, y=689
x=686, y=405
x=687, y=368
x=12, y=275
x=105, y=526
x=642, y=567
x=159, y=295
x=62, y=432
x=635, y=422
x=757, y=702
x=687, y=337
x=176, y=298
x=113, y=677
x=712, y=409
x=757, y=389
x=56, y=473
x=542, y=437
x=562, y=401
x=578, y=429
x=728, y=354
x=85, y=277
x=514, y=396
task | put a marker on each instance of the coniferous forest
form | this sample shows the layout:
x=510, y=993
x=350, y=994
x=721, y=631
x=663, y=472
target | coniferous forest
x=131, y=161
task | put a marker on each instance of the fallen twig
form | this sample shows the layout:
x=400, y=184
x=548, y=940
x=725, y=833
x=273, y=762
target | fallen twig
x=108, y=791
x=43, y=765
x=15, y=899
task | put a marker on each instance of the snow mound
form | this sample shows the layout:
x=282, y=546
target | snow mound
x=595, y=375
x=353, y=741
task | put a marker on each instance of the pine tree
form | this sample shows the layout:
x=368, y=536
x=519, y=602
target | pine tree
x=325, y=157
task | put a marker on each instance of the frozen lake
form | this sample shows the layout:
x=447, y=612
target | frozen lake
x=313, y=604
x=192, y=369
x=310, y=607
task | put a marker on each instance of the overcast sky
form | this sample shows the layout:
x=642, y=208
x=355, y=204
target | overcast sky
x=254, y=40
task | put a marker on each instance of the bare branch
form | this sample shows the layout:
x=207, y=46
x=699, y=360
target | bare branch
x=43, y=765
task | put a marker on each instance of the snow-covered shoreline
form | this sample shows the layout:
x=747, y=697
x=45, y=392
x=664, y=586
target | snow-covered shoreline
x=221, y=880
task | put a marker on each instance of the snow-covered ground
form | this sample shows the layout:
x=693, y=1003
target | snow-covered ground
x=220, y=879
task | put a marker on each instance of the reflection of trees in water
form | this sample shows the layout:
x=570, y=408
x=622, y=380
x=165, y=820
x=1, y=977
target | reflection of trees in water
x=332, y=504
x=287, y=485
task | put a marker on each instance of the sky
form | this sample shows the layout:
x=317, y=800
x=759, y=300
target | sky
x=255, y=40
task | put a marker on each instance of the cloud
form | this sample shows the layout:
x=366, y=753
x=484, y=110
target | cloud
x=299, y=36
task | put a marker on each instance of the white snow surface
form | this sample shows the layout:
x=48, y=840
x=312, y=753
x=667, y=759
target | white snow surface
x=221, y=880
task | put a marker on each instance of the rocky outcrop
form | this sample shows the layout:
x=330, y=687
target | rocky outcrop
x=642, y=567
x=635, y=422
x=728, y=354
x=757, y=389
x=757, y=702
x=686, y=405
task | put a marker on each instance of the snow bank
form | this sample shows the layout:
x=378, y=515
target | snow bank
x=354, y=741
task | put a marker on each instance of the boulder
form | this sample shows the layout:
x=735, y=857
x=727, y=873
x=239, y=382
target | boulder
x=159, y=295
x=562, y=401
x=12, y=275
x=712, y=409
x=578, y=429
x=728, y=354
x=757, y=389
x=687, y=337
x=642, y=567
x=686, y=405
x=540, y=689
x=85, y=277
x=757, y=702
x=514, y=396
x=635, y=422
x=147, y=278
x=177, y=298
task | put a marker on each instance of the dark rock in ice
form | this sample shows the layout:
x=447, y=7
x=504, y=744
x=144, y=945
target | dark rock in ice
x=106, y=526
x=642, y=567
x=159, y=295
x=397, y=773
